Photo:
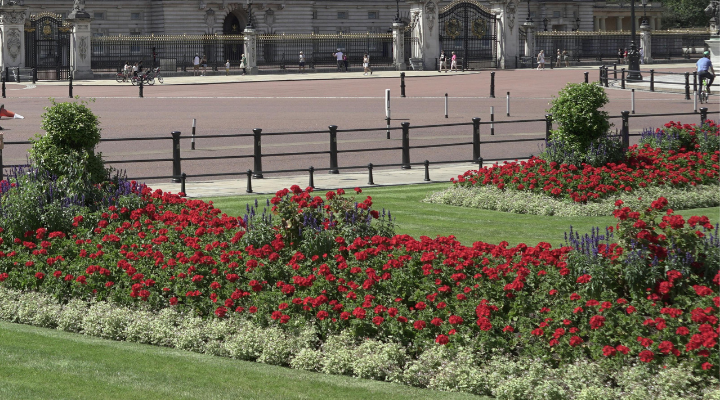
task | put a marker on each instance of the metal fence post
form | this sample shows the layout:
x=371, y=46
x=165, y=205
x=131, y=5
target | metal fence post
x=370, y=176
x=476, y=138
x=492, y=85
x=2, y=167
x=402, y=84
x=600, y=77
x=192, y=144
x=70, y=87
x=333, y=150
x=406, y=145
x=257, y=153
x=625, y=129
x=34, y=75
x=622, y=81
x=695, y=88
x=183, y=177
x=615, y=71
x=548, y=126
x=3, y=87
x=507, y=104
x=606, y=77
x=632, y=100
x=427, y=171
x=176, y=170
x=652, y=80
x=703, y=118
x=587, y=76
x=249, y=181
x=311, y=183
x=140, y=87
x=446, y=105
x=687, y=86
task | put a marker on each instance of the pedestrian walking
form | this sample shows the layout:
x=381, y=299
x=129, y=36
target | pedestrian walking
x=196, y=64
x=135, y=70
x=127, y=70
x=453, y=62
x=642, y=55
x=227, y=67
x=301, y=62
x=339, y=57
x=625, y=56
x=558, y=59
x=243, y=63
x=443, y=62
x=541, y=60
x=204, y=65
x=566, y=58
x=345, y=61
x=366, y=64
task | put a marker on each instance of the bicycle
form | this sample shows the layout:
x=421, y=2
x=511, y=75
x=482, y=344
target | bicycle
x=155, y=74
x=146, y=78
x=121, y=77
x=703, y=94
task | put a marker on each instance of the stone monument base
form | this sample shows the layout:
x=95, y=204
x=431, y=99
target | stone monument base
x=714, y=45
x=79, y=75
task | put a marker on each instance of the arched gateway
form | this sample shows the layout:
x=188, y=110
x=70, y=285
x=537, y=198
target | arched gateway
x=470, y=30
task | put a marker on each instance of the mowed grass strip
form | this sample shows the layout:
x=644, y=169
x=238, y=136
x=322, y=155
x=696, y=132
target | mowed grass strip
x=39, y=363
x=468, y=225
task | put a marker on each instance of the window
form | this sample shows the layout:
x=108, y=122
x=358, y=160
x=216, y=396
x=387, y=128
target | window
x=342, y=15
x=556, y=14
x=135, y=16
x=373, y=15
x=314, y=14
x=99, y=15
x=533, y=14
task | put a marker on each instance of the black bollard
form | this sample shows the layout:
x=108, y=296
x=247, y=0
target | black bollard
x=311, y=183
x=183, y=177
x=695, y=89
x=548, y=126
x=703, y=115
x=402, y=84
x=333, y=150
x=3, y=87
x=600, y=78
x=176, y=170
x=406, y=145
x=492, y=85
x=34, y=75
x=652, y=80
x=249, y=181
x=192, y=143
x=615, y=71
x=622, y=81
x=427, y=171
x=587, y=76
x=70, y=87
x=257, y=153
x=625, y=129
x=687, y=86
x=141, y=86
x=370, y=177
x=607, y=78
x=480, y=162
x=476, y=138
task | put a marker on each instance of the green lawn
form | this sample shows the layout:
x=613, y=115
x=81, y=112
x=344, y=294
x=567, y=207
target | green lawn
x=42, y=363
x=469, y=225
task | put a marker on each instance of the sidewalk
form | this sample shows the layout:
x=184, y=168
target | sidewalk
x=322, y=181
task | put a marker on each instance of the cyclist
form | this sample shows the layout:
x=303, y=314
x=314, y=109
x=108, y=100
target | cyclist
x=705, y=70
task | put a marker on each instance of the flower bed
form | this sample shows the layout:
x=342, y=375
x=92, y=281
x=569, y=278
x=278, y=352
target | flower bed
x=527, y=300
x=668, y=158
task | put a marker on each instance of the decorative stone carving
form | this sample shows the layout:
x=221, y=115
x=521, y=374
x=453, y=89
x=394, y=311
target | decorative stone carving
x=269, y=17
x=12, y=17
x=79, y=5
x=430, y=9
x=210, y=18
x=14, y=42
x=510, y=10
x=83, y=47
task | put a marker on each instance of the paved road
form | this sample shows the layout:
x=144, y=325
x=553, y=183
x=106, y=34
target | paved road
x=235, y=105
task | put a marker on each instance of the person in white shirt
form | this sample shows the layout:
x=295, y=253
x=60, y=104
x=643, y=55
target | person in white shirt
x=196, y=64
x=301, y=62
x=366, y=64
x=339, y=57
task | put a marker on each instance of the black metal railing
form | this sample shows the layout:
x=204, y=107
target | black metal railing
x=469, y=150
x=282, y=51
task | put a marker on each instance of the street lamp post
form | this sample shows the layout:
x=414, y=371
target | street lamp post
x=397, y=11
x=250, y=23
x=645, y=18
x=633, y=54
x=577, y=24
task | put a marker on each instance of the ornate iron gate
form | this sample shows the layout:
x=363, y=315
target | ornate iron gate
x=47, y=46
x=470, y=30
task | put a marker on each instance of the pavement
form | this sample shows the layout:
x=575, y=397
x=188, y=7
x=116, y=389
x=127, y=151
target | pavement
x=322, y=181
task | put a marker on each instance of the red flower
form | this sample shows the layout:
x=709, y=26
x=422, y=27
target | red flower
x=484, y=324
x=377, y=320
x=39, y=275
x=576, y=340
x=442, y=339
x=508, y=328
x=622, y=349
x=597, y=322
x=220, y=311
x=702, y=291
x=584, y=278
x=646, y=356
x=455, y=320
x=419, y=325
x=706, y=366
x=630, y=309
x=436, y=321
x=609, y=351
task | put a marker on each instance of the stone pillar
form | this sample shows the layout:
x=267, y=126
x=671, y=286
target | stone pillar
x=618, y=24
x=12, y=30
x=80, y=66
x=425, y=31
x=529, y=39
x=250, y=54
x=507, y=34
x=652, y=23
x=399, y=46
x=714, y=45
x=646, y=43
x=603, y=27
